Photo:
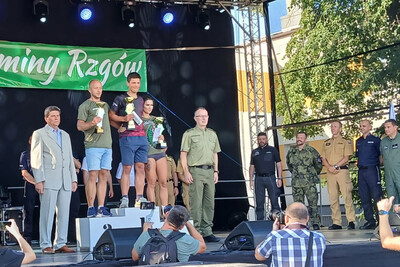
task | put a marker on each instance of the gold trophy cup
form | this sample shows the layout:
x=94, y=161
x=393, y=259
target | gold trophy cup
x=100, y=113
x=129, y=109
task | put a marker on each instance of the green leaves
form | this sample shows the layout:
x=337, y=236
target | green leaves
x=340, y=54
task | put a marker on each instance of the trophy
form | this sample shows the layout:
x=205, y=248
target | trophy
x=129, y=109
x=158, y=121
x=100, y=113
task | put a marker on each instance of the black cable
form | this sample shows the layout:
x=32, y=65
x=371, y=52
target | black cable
x=340, y=59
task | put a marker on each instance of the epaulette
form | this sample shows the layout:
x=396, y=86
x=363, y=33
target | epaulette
x=189, y=130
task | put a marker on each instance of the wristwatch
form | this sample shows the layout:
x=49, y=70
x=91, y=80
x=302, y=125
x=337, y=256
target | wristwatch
x=216, y=171
x=336, y=167
x=383, y=212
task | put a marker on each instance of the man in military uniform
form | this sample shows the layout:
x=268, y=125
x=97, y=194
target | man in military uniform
x=262, y=167
x=369, y=174
x=199, y=158
x=390, y=151
x=335, y=156
x=304, y=162
x=185, y=185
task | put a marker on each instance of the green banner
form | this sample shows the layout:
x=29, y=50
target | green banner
x=43, y=66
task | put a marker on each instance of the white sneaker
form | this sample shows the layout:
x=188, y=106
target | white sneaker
x=124, y=203
x=140, y=200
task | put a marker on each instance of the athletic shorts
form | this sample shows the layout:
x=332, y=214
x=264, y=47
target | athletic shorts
x=133, y=149
x=98, y=158
x=157, y=156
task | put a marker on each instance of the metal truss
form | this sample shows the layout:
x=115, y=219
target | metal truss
x=212, y=3
x=256, y=99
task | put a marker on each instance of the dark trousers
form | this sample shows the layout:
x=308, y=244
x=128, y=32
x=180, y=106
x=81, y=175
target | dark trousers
x=261, y=183
x=31, y=197
x=369, y=187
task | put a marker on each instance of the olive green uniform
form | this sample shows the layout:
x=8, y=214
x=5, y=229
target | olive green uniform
x=200, y=146
x=305, y=166
x=185, y=187
x=390, y=151
x=333, y=151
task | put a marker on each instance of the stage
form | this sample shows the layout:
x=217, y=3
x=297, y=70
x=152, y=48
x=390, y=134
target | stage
x=344, y=248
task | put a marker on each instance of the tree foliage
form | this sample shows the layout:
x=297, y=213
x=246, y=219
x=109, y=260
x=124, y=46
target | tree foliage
x=332, y=32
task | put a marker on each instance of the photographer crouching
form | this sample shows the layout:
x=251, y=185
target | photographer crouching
x=291, y=243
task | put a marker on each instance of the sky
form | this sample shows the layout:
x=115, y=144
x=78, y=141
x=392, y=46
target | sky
x=276, y=9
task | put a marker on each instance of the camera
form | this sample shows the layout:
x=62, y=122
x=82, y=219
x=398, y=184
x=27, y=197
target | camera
x=147, y=205
x=280, y=215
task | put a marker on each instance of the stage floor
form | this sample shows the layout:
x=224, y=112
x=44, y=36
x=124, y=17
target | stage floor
x=344, y=248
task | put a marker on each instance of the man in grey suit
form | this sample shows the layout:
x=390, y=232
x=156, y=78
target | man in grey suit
x=54, y=171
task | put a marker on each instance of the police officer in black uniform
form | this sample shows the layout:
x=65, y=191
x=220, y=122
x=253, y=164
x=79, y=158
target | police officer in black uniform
x=262, y=167
x=369, y=174
x=31, y=196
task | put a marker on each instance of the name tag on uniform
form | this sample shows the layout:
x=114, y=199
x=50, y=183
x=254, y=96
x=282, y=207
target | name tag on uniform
x=394, y=146
x=268, y=152
x=370, y=142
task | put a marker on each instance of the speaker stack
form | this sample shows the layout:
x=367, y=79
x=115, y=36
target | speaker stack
x=116, y=244
x=247, y=235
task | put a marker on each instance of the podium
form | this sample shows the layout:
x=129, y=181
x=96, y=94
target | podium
x=89, y=230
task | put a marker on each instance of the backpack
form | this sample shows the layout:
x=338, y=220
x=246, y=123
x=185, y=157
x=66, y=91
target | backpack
x=159, y=249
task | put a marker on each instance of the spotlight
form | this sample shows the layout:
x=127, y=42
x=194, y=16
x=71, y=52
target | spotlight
x=128, y=16
x=85, y=11
x=41, y=10
x=166, y=15
x=203, y=19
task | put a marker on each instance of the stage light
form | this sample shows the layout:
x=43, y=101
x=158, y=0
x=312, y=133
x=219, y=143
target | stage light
x=167, y=15
x=85, y=11
x=128, y=16
x=41, y=10
x=203, y=19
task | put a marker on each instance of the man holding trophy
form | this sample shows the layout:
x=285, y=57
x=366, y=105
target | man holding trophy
x=127, y=109
x=94, y=122
x=157, y=162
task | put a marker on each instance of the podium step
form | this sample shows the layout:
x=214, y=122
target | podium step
x=89, y=230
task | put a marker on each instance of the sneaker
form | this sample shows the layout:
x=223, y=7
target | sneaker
x=315, y=227
x=351, y=226
x=368, y=225
x=140, y=200
x=103, y=212
x=91, y=212
x=211, y=238
x=335, y=227
x=167, y=209
x=124, y=203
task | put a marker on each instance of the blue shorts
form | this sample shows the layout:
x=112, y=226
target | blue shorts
x=98, y=158
x=133, y=149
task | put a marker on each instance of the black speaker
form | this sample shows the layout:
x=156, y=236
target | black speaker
x=247, y=235
x=116, y=244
